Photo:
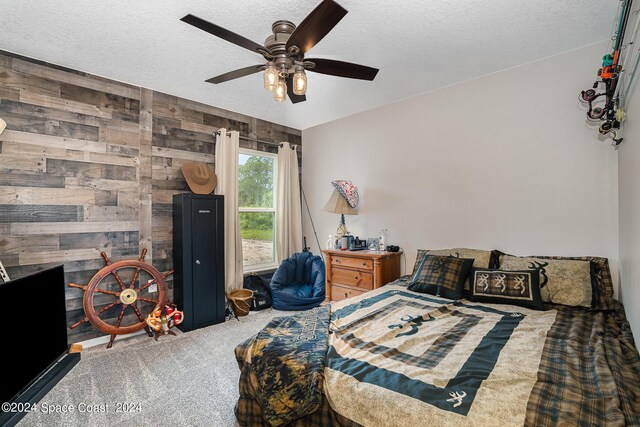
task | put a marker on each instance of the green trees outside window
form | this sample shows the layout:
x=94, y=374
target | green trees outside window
x=256, y=178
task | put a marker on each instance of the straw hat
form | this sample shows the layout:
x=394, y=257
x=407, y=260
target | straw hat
x=200, y=178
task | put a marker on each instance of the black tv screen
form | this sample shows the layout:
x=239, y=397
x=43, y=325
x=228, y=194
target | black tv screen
x=35, y=330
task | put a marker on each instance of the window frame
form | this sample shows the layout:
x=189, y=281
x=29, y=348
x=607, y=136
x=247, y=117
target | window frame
x=272, y=265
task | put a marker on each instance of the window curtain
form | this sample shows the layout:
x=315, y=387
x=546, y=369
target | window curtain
x=288, y=207
x=226, y=162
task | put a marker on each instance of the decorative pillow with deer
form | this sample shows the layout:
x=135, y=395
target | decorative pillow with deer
x=506, y=287
x=566, y=282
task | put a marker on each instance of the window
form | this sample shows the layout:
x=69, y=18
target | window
x=257, y=205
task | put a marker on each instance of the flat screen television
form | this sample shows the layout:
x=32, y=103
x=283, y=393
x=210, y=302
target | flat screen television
x=34, y=339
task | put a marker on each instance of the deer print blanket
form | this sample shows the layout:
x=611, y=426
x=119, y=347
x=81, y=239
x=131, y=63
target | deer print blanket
x=400, y=358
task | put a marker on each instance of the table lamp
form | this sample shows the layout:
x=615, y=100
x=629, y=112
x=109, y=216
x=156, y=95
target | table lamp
x=338, y=204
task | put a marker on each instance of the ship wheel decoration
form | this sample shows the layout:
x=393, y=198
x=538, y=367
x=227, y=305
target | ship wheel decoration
x=117, y=299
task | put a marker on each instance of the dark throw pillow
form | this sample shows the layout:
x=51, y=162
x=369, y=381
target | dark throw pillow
x=481, y=258
x=506, y=287
x=443, y=276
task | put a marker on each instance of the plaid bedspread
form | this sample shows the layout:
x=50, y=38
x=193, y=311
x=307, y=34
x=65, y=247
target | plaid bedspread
x=396, y=357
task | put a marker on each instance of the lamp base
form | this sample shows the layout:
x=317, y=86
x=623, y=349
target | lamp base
x=341, y=231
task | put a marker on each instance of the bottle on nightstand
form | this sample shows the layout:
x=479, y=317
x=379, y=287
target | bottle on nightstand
x=383, y=238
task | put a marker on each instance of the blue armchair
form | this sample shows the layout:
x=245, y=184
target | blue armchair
x=299, y=283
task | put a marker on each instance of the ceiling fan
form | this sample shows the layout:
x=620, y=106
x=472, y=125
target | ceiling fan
x=284, y=51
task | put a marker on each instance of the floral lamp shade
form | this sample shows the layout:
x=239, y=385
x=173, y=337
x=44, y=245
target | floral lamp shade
x=348, y=191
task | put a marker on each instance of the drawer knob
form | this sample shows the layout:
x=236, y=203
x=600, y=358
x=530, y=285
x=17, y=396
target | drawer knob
x=355, y=277
x=346, y=295
x=364, y=264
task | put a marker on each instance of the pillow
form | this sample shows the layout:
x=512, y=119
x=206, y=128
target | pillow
x=601, y=281
x=442, y=276
x=481, y=258
x=506, y=287
x=566, y=282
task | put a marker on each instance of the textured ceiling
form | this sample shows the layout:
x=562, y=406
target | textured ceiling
x=418, y=45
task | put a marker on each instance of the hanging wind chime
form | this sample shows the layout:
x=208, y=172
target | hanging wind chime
x=613, y=75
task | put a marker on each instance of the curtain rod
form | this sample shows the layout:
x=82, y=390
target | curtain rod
x=246, y=138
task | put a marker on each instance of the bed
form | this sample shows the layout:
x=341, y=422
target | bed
x=394, y=357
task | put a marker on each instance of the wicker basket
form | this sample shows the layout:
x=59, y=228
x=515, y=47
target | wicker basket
x=240, y=300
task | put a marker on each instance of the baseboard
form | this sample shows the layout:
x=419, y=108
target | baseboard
x=105, y=339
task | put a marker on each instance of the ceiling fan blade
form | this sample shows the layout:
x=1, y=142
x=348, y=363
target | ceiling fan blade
x=292, y=96
x=343, y=69
x=316, y=25
x=223, y=33
x=235, y=74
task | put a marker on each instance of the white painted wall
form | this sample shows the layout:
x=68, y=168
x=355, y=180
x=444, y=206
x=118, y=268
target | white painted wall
x=504, y=161
x=629, y=176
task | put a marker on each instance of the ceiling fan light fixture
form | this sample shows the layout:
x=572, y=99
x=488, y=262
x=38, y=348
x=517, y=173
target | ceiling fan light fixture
x=299, y=81
x=280, y=92
x=270, y=76
x=285, y=50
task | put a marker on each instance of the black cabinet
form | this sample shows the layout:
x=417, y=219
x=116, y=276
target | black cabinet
x=198, y=258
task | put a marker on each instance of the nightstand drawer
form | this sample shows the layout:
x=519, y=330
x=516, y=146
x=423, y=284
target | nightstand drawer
x=359, y=263
x=359, y=279
x=338, y=293
x=350, y=274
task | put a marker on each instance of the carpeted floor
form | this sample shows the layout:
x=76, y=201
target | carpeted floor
x=188, y=380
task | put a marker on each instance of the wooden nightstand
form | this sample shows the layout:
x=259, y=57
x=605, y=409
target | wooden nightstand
x=351, y=273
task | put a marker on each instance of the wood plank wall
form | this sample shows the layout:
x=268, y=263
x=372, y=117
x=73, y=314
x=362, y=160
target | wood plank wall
x=89, y=164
